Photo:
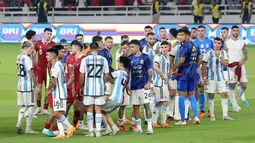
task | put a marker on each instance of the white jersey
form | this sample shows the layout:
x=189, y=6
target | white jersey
x=118, y=54
x=175, y=51
x=59, y=91
x=118, y=88
x=150, y=52
x=94, y=67
x=234, y=49
x=24, y=65
x=157, y=46
x=215, y=68
x=164, y=66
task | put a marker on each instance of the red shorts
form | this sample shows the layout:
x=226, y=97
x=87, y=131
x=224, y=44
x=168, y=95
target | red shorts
x=40, y=76
x=78, y=95
x=50, y=100
x=70, y=98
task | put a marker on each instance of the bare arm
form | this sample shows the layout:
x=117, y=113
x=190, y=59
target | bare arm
x=204, y=69
x=52, y=83
x=82, y=76
x=150, y=75
x=172, y=61
x=179, y=63
x=199, y=61
x=224, y=61
x=157, y=70
x=245, y=52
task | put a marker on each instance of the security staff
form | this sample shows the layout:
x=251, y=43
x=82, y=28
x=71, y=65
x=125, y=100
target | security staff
x=198, y=12
x=41, y=11
x=216, y=13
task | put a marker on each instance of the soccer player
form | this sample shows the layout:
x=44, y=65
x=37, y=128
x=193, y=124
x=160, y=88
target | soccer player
x=126, y=52
x=64, y=43
x=78, y=105
x=94, y=71
x=189, y=60
x=119, y=52
x=141, y=80
x=204, y=44
x=143, y=42
x=59, y=90
x=235, y=47
x=193, y=32
x=41, y=67
x=80, y=38
x=26, y=81
x=214, y=77
x=120, y=80
x=162, y=34
x=161, y=68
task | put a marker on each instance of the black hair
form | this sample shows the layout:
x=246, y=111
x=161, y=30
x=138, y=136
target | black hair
x=108, y=37
x=124, y=36
x=185, y=27
x=124, y=43
x=185, y=31
x=218, y=39
x=78, y=35
x=193, y=28
x=58, y=47
x=96, y=39
x=164, y=43
x=161, y=28
x=148, y=27
x=53, y=50
x=62, y=41
x=150, y=33
x=47, y=29
x=124, y=61
x=173, y=32
x=235, y=26
x=76, y=43
x=135, y=41
x=93, y=46
x=30, y=34
x=201, y=26
x=224, y=28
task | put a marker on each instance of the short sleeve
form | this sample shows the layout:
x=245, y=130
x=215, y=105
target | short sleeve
x=174, y=50
x=29, y=64
x=157, y=59
x=147, y=62
x=82, y=66
x=55, y=71
x=206, y=57
x=36, y=46
x=115, y=74
x=106, y=67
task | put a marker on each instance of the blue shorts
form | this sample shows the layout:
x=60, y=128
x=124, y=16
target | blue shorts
x=186, y=84
x=197, y=80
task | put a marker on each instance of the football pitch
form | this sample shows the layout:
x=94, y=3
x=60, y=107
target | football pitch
x=241, y=130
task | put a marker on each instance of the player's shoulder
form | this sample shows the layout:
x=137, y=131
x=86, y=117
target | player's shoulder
x=145, y=55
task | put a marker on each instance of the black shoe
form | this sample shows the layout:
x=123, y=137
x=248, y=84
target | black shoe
x=19, y=130
x=145, y=123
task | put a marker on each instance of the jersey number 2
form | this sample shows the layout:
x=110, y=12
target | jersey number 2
x=95, y=70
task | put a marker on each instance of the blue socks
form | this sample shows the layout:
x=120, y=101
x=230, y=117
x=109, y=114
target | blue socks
x=193, y=103
x=182, y=107
x=201, y=99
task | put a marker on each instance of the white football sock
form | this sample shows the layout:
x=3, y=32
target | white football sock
x=155, y=114
x=243, y=97
x=21, y=115
x=90, y=119
x=187, y=105
x=138, y=124
x=60, y=128
x=98, y=122
x=171, y=106
x=224, y=105
x=163, y=114
x=211, y=106
x=149, y=127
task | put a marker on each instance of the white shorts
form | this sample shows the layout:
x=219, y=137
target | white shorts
x=97, y=100
x=234, y=79
x=59, y=105
x=216, y=86
x=126, y=99
x=140, y=97
x=225, y=74
x=25, y=99
x=161, y=93
x=107, y=90
x=172, y=84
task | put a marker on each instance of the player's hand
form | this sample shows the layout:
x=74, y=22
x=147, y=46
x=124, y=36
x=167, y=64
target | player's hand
x=128, y=91
x=147, y=86
x=206, y=81
x=241, y=63
x=217, y=53
x=201, y=81
x=106, y=97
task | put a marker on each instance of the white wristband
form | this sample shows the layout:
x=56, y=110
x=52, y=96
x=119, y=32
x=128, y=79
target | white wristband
x=220, y=56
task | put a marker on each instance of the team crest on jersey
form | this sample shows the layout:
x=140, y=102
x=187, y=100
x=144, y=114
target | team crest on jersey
x=141, y=61
x=202, y=46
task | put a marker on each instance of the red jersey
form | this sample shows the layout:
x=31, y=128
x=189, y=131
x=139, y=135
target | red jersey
x=69, y=62
x=77, y=65
x=41, y=49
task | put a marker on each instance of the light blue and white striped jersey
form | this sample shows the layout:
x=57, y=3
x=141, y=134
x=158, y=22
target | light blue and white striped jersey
x=59, y=90
x=94, y=67
x=175, y=51
x=120, y=77
x=24, y=65
x=215, y=70
x=164, y=66
x=151, y=53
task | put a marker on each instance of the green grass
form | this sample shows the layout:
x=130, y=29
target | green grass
x=239, y=131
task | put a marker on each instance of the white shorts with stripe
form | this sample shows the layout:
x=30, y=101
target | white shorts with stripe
x=161, y=93
x=25, y=99
x=140, y=97
x=126, y=99
x=93, y=100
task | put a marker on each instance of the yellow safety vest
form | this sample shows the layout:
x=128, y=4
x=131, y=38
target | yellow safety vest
x=215, y=11
x=249, y=7
x=198, y=9
x=45, y=7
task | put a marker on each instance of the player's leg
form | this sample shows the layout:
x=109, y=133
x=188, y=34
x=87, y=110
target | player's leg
x=190, y=91
x=121, y=113
x=201, y=98
x=88, y=102
x=211, y=106
x=145, y=100
x=164, y=99
x=99, y=101
x=80, y=120
x=105, y=109
x=21, y=112
x=134, y=100
x=38, y=94
x=182, y=92
x=70, y=101
x=243, y=86
x=47, y=125
x=156, y=108
x=171, y=105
